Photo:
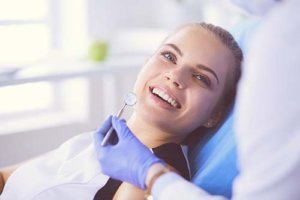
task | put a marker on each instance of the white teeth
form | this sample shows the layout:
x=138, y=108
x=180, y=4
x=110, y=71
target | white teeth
x=164, y=96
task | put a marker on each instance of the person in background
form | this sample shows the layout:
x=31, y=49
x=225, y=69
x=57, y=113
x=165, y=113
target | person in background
x=187, y=84
x=267, y=120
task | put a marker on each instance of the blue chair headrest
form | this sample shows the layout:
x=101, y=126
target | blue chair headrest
x=213, y=161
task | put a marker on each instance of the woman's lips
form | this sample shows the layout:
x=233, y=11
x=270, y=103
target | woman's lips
x=164, y=97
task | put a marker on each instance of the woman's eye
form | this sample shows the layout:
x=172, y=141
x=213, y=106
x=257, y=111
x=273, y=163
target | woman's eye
x=203, y=79
x=169, y=56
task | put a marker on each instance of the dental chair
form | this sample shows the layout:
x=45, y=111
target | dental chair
x=213, y=159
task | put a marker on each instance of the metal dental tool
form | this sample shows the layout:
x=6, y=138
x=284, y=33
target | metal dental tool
x=130, y=100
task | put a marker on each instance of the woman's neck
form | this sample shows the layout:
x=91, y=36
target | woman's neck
x=149, y=134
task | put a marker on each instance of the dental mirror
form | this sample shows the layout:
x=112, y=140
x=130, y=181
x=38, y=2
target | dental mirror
x=130, y=100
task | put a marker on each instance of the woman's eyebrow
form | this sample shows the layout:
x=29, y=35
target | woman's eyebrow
x=202, y=67
x=175, y=48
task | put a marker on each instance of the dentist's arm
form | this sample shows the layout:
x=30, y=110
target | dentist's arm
x=161, y=183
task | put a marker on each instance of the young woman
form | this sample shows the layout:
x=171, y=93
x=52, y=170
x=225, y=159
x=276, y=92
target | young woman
x=188, y=83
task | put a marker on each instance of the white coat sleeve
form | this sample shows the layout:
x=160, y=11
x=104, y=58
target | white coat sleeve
x=268, y=110
x=173, y=186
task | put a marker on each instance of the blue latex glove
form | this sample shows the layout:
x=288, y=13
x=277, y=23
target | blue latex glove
x=128, y=160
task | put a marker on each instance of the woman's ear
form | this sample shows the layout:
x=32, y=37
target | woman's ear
x=215, y=119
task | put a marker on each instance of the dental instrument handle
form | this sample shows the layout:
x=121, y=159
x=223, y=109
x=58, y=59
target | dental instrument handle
x=110, y=131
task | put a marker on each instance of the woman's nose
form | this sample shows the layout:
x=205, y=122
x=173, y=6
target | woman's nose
x=176, y=77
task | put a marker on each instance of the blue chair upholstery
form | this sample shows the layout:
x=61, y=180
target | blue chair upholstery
x=213, y=159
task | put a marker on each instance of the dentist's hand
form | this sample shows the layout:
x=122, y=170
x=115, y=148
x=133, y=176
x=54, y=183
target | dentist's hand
x=128, y=160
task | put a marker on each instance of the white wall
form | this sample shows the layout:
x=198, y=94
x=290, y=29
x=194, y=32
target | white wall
x=106, y=91
x=107, y=17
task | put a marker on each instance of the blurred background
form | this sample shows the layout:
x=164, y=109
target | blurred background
x=65, y=65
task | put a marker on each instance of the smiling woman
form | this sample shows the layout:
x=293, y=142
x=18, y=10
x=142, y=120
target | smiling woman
x=183, y=86
x=196, y=68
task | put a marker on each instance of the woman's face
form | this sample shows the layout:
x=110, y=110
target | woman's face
x=180, y=85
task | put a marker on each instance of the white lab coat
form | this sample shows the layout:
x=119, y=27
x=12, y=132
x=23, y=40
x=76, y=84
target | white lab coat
x=268, y=114
x=70, y=172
